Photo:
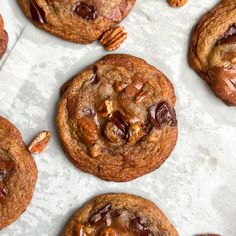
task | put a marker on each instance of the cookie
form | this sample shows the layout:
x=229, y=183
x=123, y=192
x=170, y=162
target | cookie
x=119, y=214
x=116, y=119
x=213, y=50
x=3, y=38
x=81, y=21
x=18, y=174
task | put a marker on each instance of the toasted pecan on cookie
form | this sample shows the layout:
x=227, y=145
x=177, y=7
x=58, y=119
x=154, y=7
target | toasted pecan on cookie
x=117, y=120
x=119, y=214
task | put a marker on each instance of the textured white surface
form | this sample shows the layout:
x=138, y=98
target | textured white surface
x=196, y=187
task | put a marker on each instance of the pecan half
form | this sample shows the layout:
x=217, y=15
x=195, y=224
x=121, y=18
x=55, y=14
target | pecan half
x=113, y=38
x=40, y=142
x=177, y=3
x=87, y=130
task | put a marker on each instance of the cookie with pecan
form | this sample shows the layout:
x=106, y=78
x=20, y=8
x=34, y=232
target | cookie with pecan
x=3, y=38
x=119, y=214
x=18, y=174
x=117, y=120
x=213, y=50
x=81, y=21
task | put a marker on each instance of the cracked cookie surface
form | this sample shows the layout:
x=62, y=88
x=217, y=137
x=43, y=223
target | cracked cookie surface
x=3, y=38
x=116, y=119
x=81, y=21
x=119, y=214
x=213, y=50
x=18, y=174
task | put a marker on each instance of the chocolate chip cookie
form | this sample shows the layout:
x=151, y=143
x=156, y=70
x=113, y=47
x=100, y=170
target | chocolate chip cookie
x=116, y=119
x=119, y=214
x=18, y=174
x=80, y=21
x=3, y=38
x=213, y=50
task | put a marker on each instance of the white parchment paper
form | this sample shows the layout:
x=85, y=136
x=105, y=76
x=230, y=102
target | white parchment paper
x=196, y=187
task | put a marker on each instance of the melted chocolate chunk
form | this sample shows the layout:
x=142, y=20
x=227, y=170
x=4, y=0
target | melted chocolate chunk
x=139, y=228
x=86, y=11
x=229, y=37
x=123, y=127
x=161, y=114
x=95, y=78
x=100, y=216
x=37, y=13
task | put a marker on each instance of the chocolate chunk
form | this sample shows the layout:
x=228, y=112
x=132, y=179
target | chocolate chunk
x=161, y=114
x=37, y=13
x=95, y=78
x=139, y=228
x=229, y=36
x=86, y=11
x=99, y=217
x=123, y=126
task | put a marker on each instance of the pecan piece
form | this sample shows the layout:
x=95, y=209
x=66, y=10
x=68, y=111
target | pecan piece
x=40, y=142
x=137, y=132
x=141, y=96
x=113, y=38
x=87, y=130
x=177, y=3
x=106, y=108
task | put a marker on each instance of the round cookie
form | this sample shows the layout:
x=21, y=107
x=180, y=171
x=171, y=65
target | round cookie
x=81, y=21
x=3, y=38
x=18, y=174
x=119, y=214
x=116, y=119
x=213, y=50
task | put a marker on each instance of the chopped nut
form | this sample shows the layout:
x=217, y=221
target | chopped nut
x=40, y=142
x=106, y=108
x=177, y=3
x=95, y=150
x=87, y=130
x=134, y=87
x=153, y=136
x=113, y=38
x=88, y=230
x=112, y=132
x=137, y=132
x=141, y=96
x=108, y=231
